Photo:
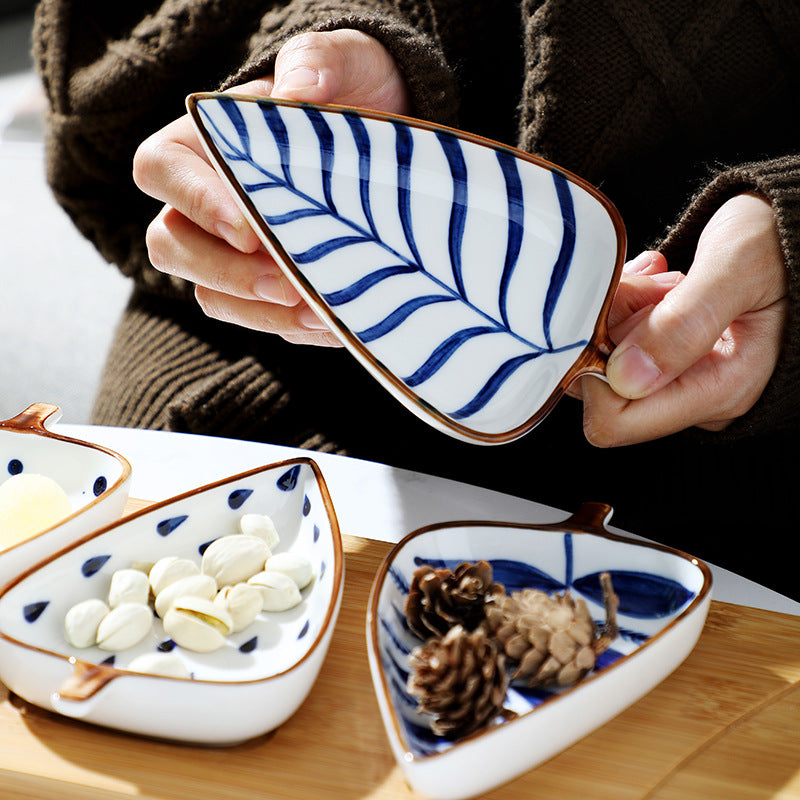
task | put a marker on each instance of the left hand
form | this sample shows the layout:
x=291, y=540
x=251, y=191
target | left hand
x=693, y=350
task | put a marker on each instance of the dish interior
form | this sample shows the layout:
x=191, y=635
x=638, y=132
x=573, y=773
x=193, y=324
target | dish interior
x=468, y=277
x=655, y=587
x=32, y=611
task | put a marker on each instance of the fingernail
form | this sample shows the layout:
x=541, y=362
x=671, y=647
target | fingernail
x=308, y=319
x=272, y=288
x=638, y=264
x=632, y=372
x=230, y=233
x=298, y=78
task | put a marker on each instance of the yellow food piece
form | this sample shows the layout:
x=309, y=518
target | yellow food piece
x=29, y=504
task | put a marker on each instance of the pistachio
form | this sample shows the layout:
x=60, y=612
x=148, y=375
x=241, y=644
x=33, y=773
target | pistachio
x=82, y=620
x=278, y=591
x=297, y=567
x=233, y=559
x=191, y=586
x=128, y=586
x=168, y=570
x=197, y=624
x=124, y=626
x=168, y=665
x=242, y=601
x=260, y=525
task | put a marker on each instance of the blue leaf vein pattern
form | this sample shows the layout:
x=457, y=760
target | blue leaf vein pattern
x=411, y=261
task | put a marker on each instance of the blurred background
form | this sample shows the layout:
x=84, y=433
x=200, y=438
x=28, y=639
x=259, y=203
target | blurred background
x=59, y=300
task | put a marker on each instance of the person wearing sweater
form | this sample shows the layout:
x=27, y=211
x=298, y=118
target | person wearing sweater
x=679, y=112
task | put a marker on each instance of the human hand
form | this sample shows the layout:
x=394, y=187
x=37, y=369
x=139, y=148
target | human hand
x=201, y=235
x=695, y=350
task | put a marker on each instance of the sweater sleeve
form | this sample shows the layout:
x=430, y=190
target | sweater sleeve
x=114, y=74
x=777, y=180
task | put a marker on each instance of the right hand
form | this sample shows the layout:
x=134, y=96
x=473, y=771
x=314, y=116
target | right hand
x=201, y=235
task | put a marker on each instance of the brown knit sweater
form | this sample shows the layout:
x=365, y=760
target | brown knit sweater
x=669, y=106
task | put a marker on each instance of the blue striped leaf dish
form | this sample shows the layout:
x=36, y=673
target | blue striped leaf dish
x=664, y=596
x=471, y=279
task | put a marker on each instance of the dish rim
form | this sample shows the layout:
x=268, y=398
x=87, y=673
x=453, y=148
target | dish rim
x=593, y=356
x=108, y=672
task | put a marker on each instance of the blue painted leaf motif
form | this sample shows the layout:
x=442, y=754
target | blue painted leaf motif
x=288, y=480
x=237, y=497
x=33, y=611
x=166, y=526
x=99, y=486
x=643, y=595
x=14, y=466
x=93, y=565
x=249, y=645
x=303, y=630
x=390, y=230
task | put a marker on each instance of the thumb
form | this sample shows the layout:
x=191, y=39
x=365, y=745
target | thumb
x=343, y=66
x=679, y=331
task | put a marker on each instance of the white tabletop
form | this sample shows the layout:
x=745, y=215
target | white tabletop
x=372, y=500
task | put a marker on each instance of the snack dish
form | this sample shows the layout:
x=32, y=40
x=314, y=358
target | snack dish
x=663, y=596
x=248, y=686
x=96, y=481
x=470, y=279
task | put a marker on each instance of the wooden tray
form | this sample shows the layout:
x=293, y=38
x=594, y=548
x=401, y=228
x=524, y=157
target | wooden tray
x=725, y=724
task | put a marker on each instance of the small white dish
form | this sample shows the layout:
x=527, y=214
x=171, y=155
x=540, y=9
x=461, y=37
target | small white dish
x=664, y=598
x=472, y=280
x=96, y=480
x=256, y=681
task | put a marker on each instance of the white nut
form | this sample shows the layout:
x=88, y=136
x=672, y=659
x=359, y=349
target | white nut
x=233, y=559
x=191, y=586
x=198, y=624
x=168, y=665
x=278, y=591
x=262, y=526
x=124, y=626
x=168, y=570
x=242, y=601
x=128, y=586
x=297, y=567
x=82, y=620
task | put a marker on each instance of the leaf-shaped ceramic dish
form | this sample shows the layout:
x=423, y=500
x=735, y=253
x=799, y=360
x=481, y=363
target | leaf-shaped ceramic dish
x=664, y=598
x=471, y=279
x=95, y=479
x=256, y=681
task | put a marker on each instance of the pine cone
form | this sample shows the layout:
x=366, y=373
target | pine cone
x=552, y=639
x=439, y=598
x=460, y=679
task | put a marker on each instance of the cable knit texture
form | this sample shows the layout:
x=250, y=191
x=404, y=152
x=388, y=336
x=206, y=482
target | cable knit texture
x=669, y=106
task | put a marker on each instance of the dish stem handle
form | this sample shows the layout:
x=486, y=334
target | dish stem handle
x=33, y=418
x=84, y=683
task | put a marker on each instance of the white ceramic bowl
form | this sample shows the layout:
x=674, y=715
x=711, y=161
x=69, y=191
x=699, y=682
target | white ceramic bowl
x=664, y=598
x=472, y=280
x=95, y=479
x=254, y=683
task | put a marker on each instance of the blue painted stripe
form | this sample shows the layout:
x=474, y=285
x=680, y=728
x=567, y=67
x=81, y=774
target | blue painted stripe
x=357, y=288
x=442, y=353
x=404, y=147
x=325, y=137
x=492, y=386
x=458, y=211
x=325, y=248
x=399, y=315
x=516, y=214
x=235, y=116
x=561, y=267
x=274, y=120
x=292, y=216
x=364, y=148
x=569, y=556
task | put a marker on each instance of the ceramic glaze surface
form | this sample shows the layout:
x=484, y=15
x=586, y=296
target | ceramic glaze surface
x=274, y=646
x=467, y=277
x=663, y=598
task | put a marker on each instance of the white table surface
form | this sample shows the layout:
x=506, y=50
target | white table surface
x=372, y=500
